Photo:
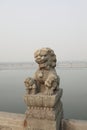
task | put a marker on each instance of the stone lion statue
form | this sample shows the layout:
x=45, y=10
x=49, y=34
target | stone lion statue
x=45, y=78
x=30, y=85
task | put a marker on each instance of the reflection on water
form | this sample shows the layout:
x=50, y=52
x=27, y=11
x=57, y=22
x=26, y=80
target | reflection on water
x=73, y=82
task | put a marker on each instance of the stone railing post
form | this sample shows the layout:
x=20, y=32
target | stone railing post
x=43, y=97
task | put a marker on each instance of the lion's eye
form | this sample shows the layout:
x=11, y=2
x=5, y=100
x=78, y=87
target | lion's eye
x=45, y=55
x=36, y=56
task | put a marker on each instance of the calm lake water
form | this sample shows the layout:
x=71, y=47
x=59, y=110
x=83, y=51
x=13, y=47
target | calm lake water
x=73, y=82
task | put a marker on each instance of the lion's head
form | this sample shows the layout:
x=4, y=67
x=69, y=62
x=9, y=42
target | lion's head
x=29, y=82
x=45, y=57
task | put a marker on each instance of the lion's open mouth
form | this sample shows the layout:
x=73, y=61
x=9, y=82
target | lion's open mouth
x=39, y=60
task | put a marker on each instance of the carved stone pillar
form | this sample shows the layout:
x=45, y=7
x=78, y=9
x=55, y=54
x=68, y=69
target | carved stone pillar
x=43, y=97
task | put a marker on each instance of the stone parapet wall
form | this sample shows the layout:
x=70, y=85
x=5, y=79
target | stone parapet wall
x=11, y=121
x=72, y=124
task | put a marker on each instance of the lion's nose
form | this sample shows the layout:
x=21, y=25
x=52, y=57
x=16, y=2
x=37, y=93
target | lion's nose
x=40, y=75
x=38, y=57
x=42, y=57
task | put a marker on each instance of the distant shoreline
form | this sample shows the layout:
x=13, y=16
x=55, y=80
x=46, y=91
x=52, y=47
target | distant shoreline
x=28, y=65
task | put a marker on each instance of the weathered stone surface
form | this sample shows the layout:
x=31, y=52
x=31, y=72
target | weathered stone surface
x=45, y=79
x=30, y=85
x=5, y=127
x=37, y=124
x=44, y=112
x=11, y=121
x=72, y=124
x=43, y=98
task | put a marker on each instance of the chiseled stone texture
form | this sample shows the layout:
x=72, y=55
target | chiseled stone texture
x=44, y=107
x=37, y=124
x=45, y=79
x=43, y=95
x=72, y=124
x=11, y=121
x=41, y=100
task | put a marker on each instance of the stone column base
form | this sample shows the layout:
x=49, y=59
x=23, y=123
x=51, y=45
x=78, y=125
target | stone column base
x=37, y=124
x=40, y=124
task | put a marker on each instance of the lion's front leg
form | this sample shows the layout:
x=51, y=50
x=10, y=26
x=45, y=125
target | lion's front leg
x=48, y=88
x=51, y=85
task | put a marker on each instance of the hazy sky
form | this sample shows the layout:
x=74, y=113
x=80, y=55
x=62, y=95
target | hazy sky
x=26, y=25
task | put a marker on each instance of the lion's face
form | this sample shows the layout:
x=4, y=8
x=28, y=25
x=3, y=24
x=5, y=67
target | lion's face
x=41, y=56
x=46, y=58
x=28, y=82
